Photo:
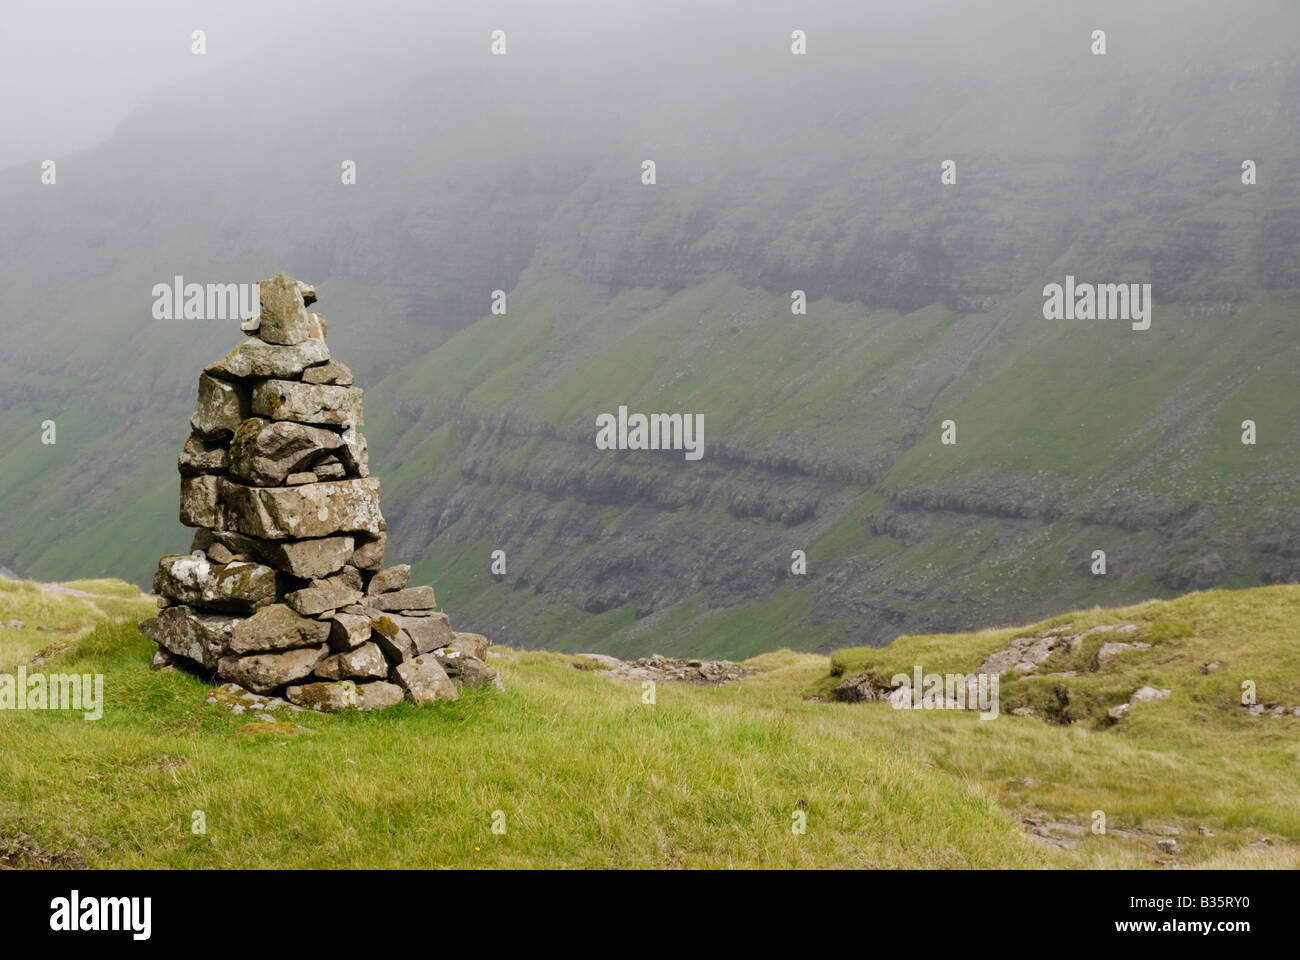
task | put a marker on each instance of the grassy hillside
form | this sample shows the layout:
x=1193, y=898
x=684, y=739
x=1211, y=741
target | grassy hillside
x=587, y=775
x=822, y=433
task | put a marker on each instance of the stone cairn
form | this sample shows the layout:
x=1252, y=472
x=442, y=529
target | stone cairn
x=285, y=594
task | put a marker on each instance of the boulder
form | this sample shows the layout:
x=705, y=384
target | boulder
x=424, y=680
x=257, y=358
x=467, y=671
x=222, y=406
x=333, y=372
x=201, y=503
x=264, y=453
x=429, y=632
x=264, y=672
x=1145, y=694
x=366, y=662
x=392, y=639
x=351, y=576
x=324, y=697
x=322, y=595
x=307, y=402
x=276, y=627
x=202, y=456
x=295, y=513
x=284, y=314
x=216, y=553
x=305, y=559
x=355, y=453
x=378, y=695
x=164, y=660
x=1109, y=651
x=370, y=551
x=859, y=688
x=348, y=630
x=426, y=633
x=412, y=598
x=393, y=578
x=470, y=644
x=201, y=637
x=235, y=587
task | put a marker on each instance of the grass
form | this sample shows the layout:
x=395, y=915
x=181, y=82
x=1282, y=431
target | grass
x=585, y=774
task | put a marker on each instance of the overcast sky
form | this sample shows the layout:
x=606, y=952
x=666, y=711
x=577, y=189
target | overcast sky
x=71, y=69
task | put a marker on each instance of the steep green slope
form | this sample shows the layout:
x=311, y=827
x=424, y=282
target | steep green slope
x=775, y=173
x=822, y=433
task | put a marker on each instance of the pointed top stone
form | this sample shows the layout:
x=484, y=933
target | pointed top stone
x=284, y=317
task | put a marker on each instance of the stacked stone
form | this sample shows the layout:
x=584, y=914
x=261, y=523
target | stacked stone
x=285, y=592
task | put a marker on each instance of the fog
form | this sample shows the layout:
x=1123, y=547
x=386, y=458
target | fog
x=71, y=70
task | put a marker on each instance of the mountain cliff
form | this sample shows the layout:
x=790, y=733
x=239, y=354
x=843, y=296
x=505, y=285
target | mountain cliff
x=774, y=173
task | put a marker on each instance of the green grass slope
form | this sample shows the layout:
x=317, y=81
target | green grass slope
x=822, y=433
x=582, y=772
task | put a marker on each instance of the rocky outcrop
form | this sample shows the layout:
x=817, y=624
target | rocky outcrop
x=660, y=668
x=285, y=594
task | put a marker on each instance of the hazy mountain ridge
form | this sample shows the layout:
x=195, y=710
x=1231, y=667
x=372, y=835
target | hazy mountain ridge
x=821, y=431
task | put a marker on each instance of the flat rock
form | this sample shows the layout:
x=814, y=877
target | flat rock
x=366, y=662
x=276, y=627
x=200, y=502
x=238, y=700
x=392, y=639
x=467, y=671
x=309, y=511
x=305, y=559
x=370, y=551
x=470, y=644
x=164, y=660
x=1109, y=651
x=333, y=372
x=378, y=695
x=412, y=598
x=1146, y=694
x=424, y=680
x=284, y=314
x=257, y=358
x=202, y=456
x=322, y=595
x=264, y=453
x=324, y=697
x=426, y=633
x=393, y=578
x=201, y=637
x=355, y=453
x=351, y=576
x=307, y=402
x=221, y=407
x=229, y=587
x=263, y=672
x=348, y=630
